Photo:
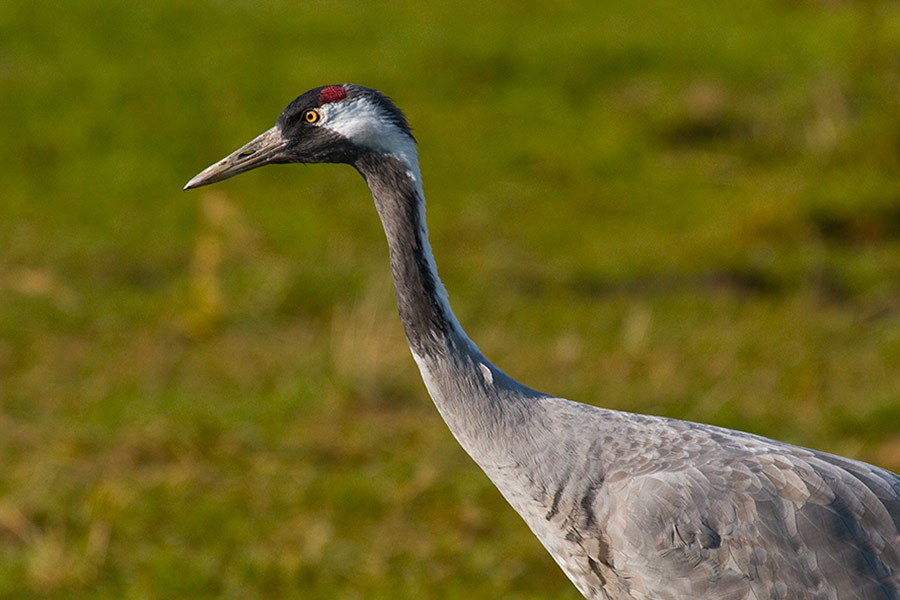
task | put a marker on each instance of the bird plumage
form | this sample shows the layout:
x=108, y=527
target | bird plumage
x=630, y=506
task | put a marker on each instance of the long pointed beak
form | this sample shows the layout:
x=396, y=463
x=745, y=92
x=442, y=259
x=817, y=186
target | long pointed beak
x=264, y=149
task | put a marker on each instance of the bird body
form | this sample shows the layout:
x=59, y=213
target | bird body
x=630, y=506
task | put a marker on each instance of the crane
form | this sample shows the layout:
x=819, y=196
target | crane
x=630, y=506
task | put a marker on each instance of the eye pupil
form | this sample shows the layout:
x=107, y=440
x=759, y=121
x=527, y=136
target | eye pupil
x=311, y=116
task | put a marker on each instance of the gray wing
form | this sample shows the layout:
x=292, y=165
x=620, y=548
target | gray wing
x=779, y=522
x=660, y=509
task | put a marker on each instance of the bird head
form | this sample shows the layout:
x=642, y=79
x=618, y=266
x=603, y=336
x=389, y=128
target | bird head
x=329, y=124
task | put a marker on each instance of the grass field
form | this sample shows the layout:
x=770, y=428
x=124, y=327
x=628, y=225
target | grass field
x=689, y=209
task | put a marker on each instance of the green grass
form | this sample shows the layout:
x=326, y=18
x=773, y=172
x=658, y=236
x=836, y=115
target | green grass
x=689, y=209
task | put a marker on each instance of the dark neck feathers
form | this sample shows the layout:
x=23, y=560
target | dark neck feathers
x=476, y=400
x=430, y=326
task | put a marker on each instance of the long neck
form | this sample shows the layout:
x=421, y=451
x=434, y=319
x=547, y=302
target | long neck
x=431, y=328
x=474, y=397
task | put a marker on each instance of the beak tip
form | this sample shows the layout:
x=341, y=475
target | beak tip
x=195, y=182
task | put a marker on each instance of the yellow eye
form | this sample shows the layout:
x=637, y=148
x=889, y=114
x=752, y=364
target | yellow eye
x=311, y=116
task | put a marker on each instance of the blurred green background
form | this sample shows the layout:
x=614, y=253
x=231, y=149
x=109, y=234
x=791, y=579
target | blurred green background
x=680, y=208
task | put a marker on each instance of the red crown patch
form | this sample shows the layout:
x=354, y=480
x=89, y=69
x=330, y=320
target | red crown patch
x=332, y=93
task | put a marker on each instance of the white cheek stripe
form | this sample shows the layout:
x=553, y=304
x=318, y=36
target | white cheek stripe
x=363, y=123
